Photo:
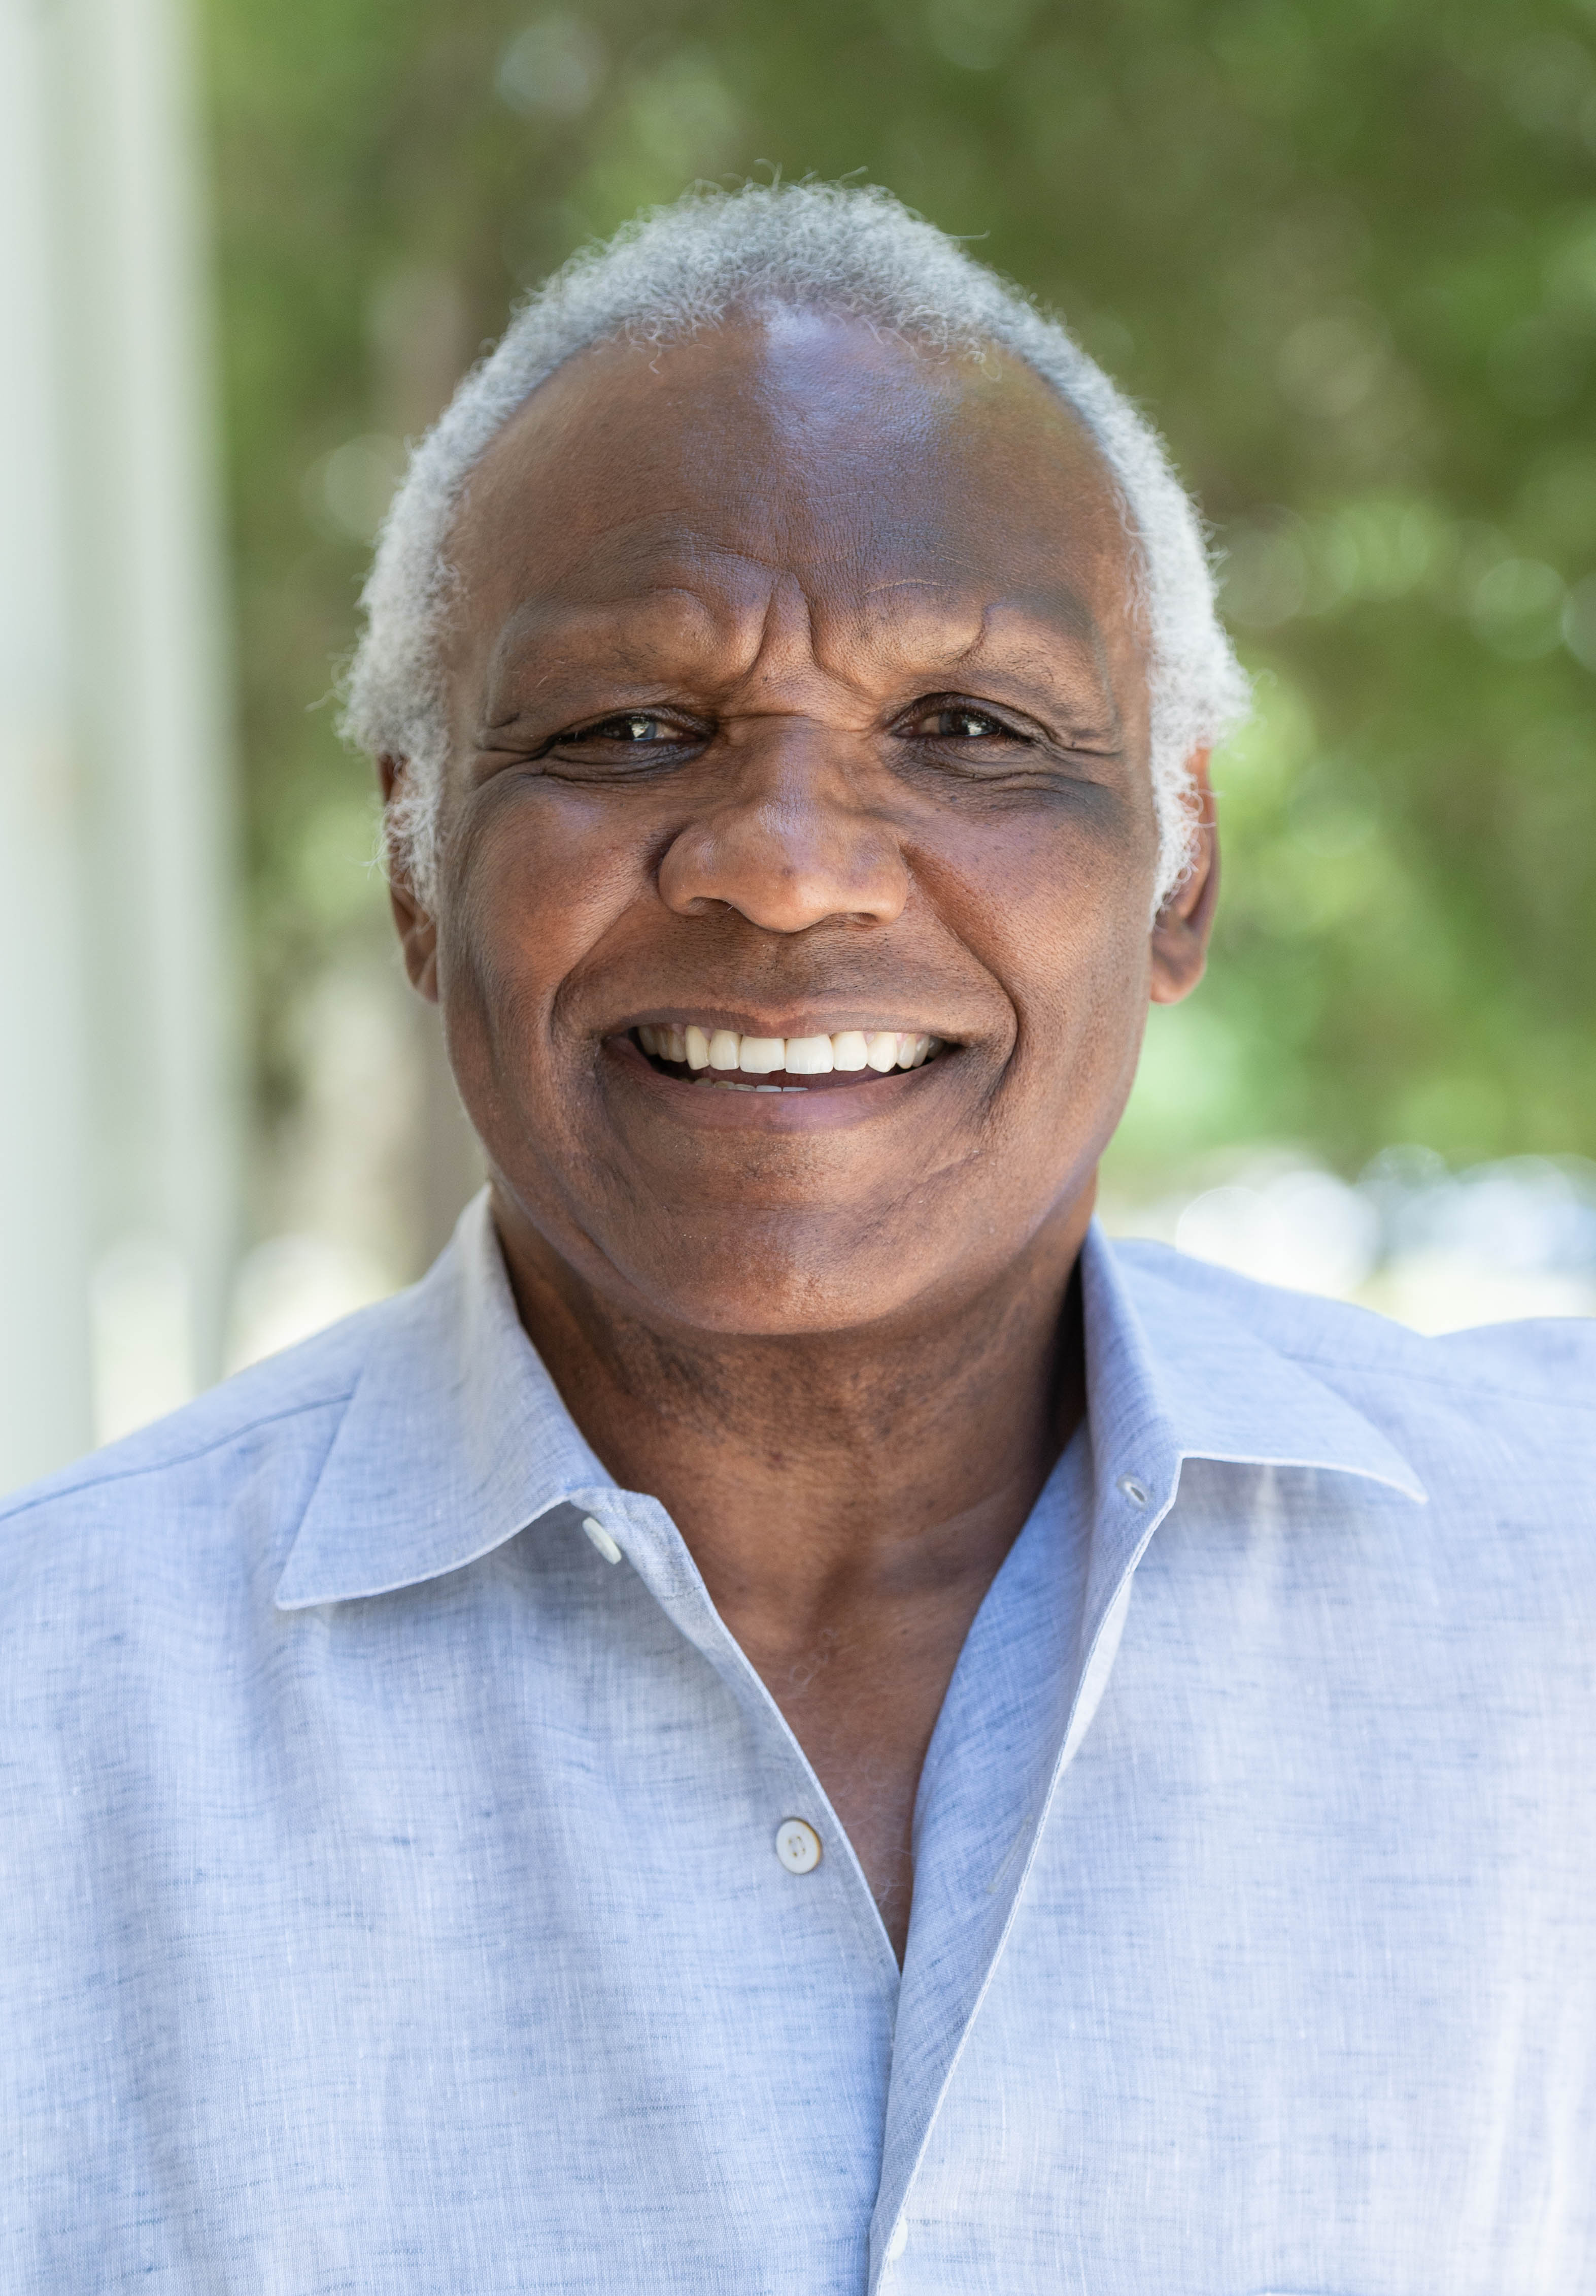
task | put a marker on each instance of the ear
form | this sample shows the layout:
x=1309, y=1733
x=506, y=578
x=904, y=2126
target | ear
x=417, y=932
x=1181, y=930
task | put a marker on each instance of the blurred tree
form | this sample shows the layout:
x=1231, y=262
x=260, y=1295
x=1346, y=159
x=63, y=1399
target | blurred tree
x=1346, y=254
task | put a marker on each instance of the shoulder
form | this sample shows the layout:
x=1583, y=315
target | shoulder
x=1302, y=1324
x=252, y=1446
x=1525, y=1388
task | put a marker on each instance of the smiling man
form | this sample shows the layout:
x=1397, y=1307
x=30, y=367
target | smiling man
x=791, y=1719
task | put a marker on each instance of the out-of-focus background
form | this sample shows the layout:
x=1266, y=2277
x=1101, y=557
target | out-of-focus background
x=1345, y=253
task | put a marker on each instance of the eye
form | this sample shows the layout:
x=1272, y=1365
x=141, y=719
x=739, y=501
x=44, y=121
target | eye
x=636, y=725
x=632, y=741
x=958, y=721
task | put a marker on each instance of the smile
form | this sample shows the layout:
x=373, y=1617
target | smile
x=719, y=1059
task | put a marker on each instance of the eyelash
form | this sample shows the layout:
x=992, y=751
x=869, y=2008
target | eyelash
x=928, y=706
x=602, y=730
x=955, y=705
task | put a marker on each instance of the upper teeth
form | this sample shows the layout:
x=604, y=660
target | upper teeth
x=723, y=1048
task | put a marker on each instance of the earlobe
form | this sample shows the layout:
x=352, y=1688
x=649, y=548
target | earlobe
x=416, y=928
x=1181, y=930
x=418, y=938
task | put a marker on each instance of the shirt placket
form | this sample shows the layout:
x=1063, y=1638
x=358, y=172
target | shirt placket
x=980, y=1823
x=805, y=1837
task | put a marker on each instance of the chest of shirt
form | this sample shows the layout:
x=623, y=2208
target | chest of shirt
x=463, y=1953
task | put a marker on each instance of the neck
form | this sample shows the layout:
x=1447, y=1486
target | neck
x=809, y=1470
x=849, y=1497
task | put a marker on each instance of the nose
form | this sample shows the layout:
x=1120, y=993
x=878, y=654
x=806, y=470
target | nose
x=787, y=842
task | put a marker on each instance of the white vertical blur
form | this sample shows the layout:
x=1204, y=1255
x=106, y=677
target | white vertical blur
x=45, y=1246
x=118, y=1150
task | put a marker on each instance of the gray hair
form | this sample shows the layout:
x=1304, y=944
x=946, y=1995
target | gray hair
x=680, y=269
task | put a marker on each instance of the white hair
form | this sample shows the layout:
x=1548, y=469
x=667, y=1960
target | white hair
x=814, y=247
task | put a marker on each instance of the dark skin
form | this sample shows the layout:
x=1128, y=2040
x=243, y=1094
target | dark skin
x=796, y=686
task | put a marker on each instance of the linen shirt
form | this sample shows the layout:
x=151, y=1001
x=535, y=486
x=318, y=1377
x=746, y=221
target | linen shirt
x=391, y=1898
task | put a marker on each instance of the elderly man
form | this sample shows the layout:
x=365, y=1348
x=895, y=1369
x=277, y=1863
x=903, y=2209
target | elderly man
x=791, y=1719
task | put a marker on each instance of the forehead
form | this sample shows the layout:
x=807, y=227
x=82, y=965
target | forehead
x=867, y=467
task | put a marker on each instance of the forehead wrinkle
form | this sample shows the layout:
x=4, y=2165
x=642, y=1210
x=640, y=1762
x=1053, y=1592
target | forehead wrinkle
x=626, y=560
x=684, y=627
x=1018, y=644
x=1026, y=632
x=1022, y=628
x=704, y=596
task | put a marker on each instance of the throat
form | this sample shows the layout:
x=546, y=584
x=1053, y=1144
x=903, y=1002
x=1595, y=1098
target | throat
x=861, y=1682
x=864, y=1720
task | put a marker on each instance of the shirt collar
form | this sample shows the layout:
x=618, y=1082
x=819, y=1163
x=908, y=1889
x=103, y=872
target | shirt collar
x=456, y=1437
x=1172, y=1373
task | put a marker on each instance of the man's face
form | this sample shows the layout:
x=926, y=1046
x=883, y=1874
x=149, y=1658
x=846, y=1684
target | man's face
x=795, y=692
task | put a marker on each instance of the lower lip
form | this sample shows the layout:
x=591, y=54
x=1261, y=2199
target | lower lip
x=819, y=1104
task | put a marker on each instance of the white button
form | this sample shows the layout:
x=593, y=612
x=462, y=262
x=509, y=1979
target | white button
x=602, y=1539
x=797, y=1846
x=900, y=2241
x=1135, y=1491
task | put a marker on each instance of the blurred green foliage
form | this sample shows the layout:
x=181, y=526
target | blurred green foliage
x=1344, y=250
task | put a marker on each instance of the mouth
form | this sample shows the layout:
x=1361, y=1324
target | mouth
x=721, y=1060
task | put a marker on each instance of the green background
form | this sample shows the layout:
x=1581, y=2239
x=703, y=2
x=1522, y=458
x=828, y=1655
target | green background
x=1344, y=254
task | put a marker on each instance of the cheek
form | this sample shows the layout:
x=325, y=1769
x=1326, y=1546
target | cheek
x=525, y=898
x=1082, y=1009
x=1056, y=904
x=1081, y=1013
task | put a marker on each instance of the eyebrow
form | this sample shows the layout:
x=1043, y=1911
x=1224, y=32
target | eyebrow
x=582, y=641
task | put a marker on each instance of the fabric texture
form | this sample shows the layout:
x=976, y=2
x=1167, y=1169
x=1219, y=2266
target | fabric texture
x=390, y=1898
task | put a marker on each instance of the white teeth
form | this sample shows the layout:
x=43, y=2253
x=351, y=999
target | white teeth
x=723, y=1049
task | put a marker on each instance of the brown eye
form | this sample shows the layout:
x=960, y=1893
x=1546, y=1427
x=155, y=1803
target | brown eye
x=958, y=721
x=636, y=727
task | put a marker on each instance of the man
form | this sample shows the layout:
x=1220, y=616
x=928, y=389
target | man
x=791, y=1719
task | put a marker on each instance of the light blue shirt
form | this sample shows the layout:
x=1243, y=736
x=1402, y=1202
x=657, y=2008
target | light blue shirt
x=391, y=1900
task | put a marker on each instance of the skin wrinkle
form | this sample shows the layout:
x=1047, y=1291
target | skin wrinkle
x=783, y=258
x=837, y=1334
x=1065, y=609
